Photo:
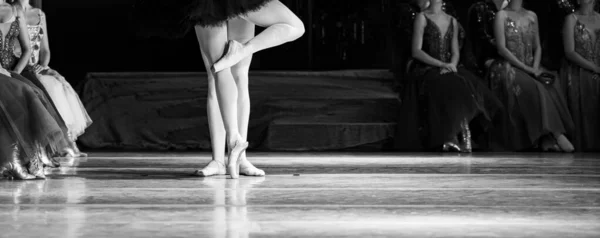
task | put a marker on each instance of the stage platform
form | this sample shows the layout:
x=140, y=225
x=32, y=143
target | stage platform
x=311, y=195
x=291, y=111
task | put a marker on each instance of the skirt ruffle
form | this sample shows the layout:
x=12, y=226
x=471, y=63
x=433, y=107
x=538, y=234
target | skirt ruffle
x=174, y=19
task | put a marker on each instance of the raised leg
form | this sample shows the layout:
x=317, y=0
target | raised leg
x=282, y=26
x=212, y=44
x=242, y=31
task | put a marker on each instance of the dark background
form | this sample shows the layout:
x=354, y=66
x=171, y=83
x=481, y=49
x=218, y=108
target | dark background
x=96, y=36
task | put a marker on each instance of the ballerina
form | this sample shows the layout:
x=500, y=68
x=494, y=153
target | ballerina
x=224, y=26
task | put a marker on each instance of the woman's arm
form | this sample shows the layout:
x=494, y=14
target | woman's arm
x=417, y=43
x=538, y=44
x=569, y=44
x=45, y=47
x=455, y=45
x=501, y=43
x=25, y=44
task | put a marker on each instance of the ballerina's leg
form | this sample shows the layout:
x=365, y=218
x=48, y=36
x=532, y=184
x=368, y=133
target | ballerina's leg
x=212, y=44
x=242, y=31
x=282, y=26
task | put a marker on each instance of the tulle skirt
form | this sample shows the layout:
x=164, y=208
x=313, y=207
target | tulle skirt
x=533, y=109
x=582, y=90
x=434, y=105
x=174, y=19
x=67, y=102
x=27, y=118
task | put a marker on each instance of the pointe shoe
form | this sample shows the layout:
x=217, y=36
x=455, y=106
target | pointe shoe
x=234, y=157
x=13, y=168
x=564, y=144
x=76, y=150
x=212, y=168
x=233, y=56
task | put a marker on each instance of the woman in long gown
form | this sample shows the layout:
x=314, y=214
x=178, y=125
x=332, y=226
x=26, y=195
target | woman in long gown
x=580, y=74
x=452, y=96
x=481, y=32
x=61, y=92
x=224, y=26
x=536, y=110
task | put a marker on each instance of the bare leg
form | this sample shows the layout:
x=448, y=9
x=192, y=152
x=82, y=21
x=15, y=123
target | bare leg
x=282, y=26
x=212, y=43
x=242, y=31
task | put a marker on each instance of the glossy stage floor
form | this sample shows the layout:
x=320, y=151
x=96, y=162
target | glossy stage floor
x=311, y=195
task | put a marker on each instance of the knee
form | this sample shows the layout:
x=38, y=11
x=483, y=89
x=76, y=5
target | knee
x=298, y=26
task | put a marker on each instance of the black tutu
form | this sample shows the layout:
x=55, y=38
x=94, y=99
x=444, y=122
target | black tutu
x=174, y=19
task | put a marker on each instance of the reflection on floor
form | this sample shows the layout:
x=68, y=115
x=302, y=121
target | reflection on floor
x=310, y=195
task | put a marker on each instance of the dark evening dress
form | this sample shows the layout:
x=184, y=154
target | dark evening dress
x=433, y=104
x=582, y=89
x=533, y=109
x=173, y=19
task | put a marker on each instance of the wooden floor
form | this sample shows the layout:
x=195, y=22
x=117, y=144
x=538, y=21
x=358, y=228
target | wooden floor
x=310, y=195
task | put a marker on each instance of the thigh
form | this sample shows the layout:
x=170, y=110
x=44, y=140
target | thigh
x=212, y=42
x=273, y=13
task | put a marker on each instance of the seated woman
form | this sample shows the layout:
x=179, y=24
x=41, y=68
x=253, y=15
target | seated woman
x=536, y=111
x=11, y=27
x=580, y=74
x=61, y=92
x=28, y=131
x=452, y=96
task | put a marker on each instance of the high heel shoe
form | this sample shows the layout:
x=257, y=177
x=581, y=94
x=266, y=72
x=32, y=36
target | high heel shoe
x=36, y=168
x=451, y=146
x=13, y=169
x=234, y=158
x=47, y=160
x=467, y=143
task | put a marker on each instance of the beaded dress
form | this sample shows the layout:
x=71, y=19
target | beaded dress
x=582, y=88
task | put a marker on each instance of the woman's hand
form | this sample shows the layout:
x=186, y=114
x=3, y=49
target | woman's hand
x=536, y=72
x=448, y=68
x=5, y=72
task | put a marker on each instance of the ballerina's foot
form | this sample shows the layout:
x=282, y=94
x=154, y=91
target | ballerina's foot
x=235, y=54
x=234, y=159
x=247, y=169
x=564, y=144
x=213, y=168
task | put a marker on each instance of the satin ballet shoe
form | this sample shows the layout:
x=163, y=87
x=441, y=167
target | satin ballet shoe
x=234, y=158
x=13, y=169
x=248, y=169
x=233, y=56
x=211, y=169
x=76, y=150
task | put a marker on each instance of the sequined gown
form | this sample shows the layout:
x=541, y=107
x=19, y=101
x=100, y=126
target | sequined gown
x=447, y=99
x=582, y=89
x=533, y=109
x=33, y=120
x=61, y=92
